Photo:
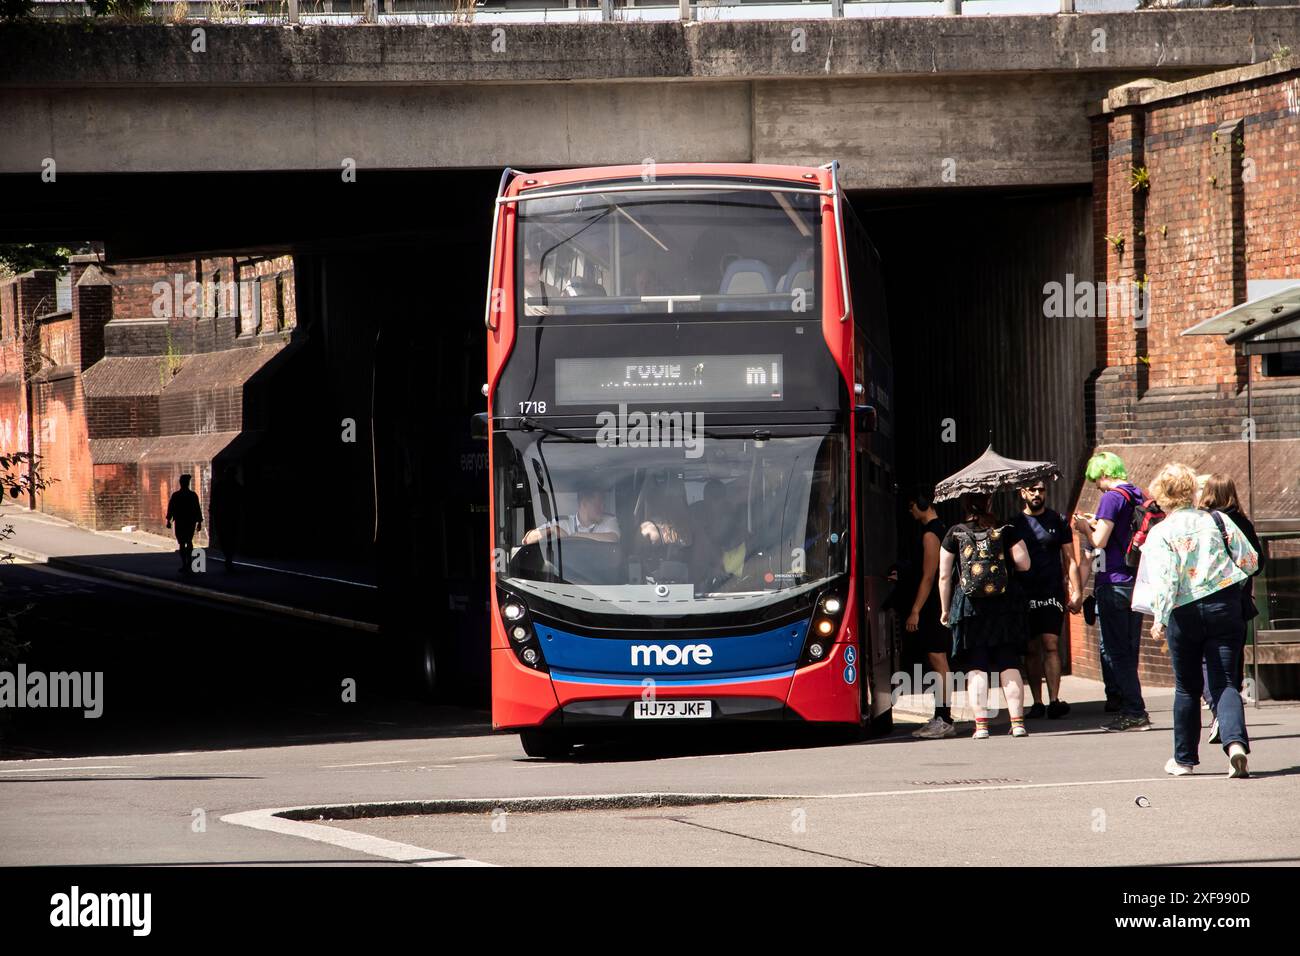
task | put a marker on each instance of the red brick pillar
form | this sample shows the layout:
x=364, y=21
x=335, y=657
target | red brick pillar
x=36, y=296
x=1228, y=228
x=1119, y=225
x=92, y=308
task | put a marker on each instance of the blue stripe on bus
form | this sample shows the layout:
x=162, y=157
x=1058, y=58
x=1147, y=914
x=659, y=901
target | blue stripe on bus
x=709, y=657
x=606, y=681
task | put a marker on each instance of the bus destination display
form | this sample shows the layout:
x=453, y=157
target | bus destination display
x=669, y=378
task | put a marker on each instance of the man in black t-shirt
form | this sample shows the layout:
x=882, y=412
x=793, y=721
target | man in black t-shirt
x=920, y=603
x=1052, y=569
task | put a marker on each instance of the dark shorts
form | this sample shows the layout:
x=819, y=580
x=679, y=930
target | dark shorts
x=1046, y=615
x=932, y=638
x=994, y=658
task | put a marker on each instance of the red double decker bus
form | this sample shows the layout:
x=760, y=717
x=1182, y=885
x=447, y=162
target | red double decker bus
x=691, y=454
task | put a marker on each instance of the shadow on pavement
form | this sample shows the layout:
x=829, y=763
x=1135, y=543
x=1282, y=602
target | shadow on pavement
x=182, y=674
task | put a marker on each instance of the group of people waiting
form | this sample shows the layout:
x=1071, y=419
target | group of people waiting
x=990, y=595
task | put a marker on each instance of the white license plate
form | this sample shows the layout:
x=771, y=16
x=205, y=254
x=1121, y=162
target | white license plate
x=659, y=709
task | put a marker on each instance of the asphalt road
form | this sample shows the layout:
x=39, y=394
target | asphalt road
x=158, y=779
x=182, y=673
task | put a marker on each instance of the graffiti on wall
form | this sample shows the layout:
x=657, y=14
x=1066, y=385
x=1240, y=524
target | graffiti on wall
x=13, y=433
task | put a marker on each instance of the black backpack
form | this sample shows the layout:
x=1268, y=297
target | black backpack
x=983, y=562
x=1145, y=517
x=1249, y=610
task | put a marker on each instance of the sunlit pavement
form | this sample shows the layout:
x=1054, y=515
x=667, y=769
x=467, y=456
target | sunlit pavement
x=1068, y=794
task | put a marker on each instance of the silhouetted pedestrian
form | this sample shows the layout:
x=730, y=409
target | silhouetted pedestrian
x=184, y=510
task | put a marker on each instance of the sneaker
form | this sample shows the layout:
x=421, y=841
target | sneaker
x=1122, y=724
x=1037, y=712
x=1057, y=709
x=981, y=733
x=1214, y=731
x=1113, y=705
x=1018, y=730
x=1176, y=769
x=936, y=729
x=1237, y=768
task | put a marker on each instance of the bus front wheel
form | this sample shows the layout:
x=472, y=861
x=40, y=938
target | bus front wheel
x=546, y=744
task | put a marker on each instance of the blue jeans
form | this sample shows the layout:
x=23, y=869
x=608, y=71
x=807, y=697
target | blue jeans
x=1121, y=636
x=1205, y=676
x=1212, y=631
x=1108, y=681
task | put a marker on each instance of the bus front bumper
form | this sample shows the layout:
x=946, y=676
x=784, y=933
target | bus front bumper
x=825, y=692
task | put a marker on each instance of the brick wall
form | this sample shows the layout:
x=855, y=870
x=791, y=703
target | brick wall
x=22, y=299
x=1222, y=153
x=123, y=416
x=1223, y=158
x=62, y=443
x=142, y=381
x=117, y=497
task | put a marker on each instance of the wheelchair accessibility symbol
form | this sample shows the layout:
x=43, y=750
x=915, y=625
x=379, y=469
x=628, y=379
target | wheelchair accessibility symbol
x=850, y=654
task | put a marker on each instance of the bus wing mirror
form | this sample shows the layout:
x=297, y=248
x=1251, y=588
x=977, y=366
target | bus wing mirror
x=865, y=417
x=478, y=426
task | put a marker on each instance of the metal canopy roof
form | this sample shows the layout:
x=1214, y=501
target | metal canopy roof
x=1254, y=318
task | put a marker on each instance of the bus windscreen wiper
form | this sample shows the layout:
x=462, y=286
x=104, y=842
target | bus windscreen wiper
x=531, y=425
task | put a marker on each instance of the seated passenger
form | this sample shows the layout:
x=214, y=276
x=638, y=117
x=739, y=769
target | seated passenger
x=665, y=518
x=537, y=292
x=721, y=543
x=590, y=522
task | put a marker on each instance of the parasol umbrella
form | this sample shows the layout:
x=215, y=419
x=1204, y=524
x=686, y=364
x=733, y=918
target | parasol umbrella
x=991, y=471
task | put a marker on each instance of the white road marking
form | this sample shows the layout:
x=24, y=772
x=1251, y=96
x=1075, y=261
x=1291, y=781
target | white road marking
x=270, y=820
x=347, y=839
x=66, y=769
x=177, y=753
x=475, y=757
x=376, y=763
x=1000, y=786
x=217, y=556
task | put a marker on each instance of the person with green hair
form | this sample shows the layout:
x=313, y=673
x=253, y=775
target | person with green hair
x=1109, y=531
x=1106, y=464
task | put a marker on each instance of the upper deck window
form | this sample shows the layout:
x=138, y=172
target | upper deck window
x=611, y=254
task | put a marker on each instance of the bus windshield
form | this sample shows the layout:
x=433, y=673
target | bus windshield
x=737, y=523
x=632, y=253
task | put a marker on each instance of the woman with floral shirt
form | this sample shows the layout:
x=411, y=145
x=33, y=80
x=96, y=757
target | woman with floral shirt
x=1195, y=572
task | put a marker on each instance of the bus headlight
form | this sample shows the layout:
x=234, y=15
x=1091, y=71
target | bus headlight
x=828, y=614
x=521, y=634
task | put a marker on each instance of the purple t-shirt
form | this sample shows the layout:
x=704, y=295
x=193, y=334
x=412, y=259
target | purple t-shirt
x=1115, y=507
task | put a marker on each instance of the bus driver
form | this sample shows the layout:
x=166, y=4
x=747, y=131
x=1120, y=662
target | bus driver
x=591, y=521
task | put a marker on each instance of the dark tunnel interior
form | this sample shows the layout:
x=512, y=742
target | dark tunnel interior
x=390, y=275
